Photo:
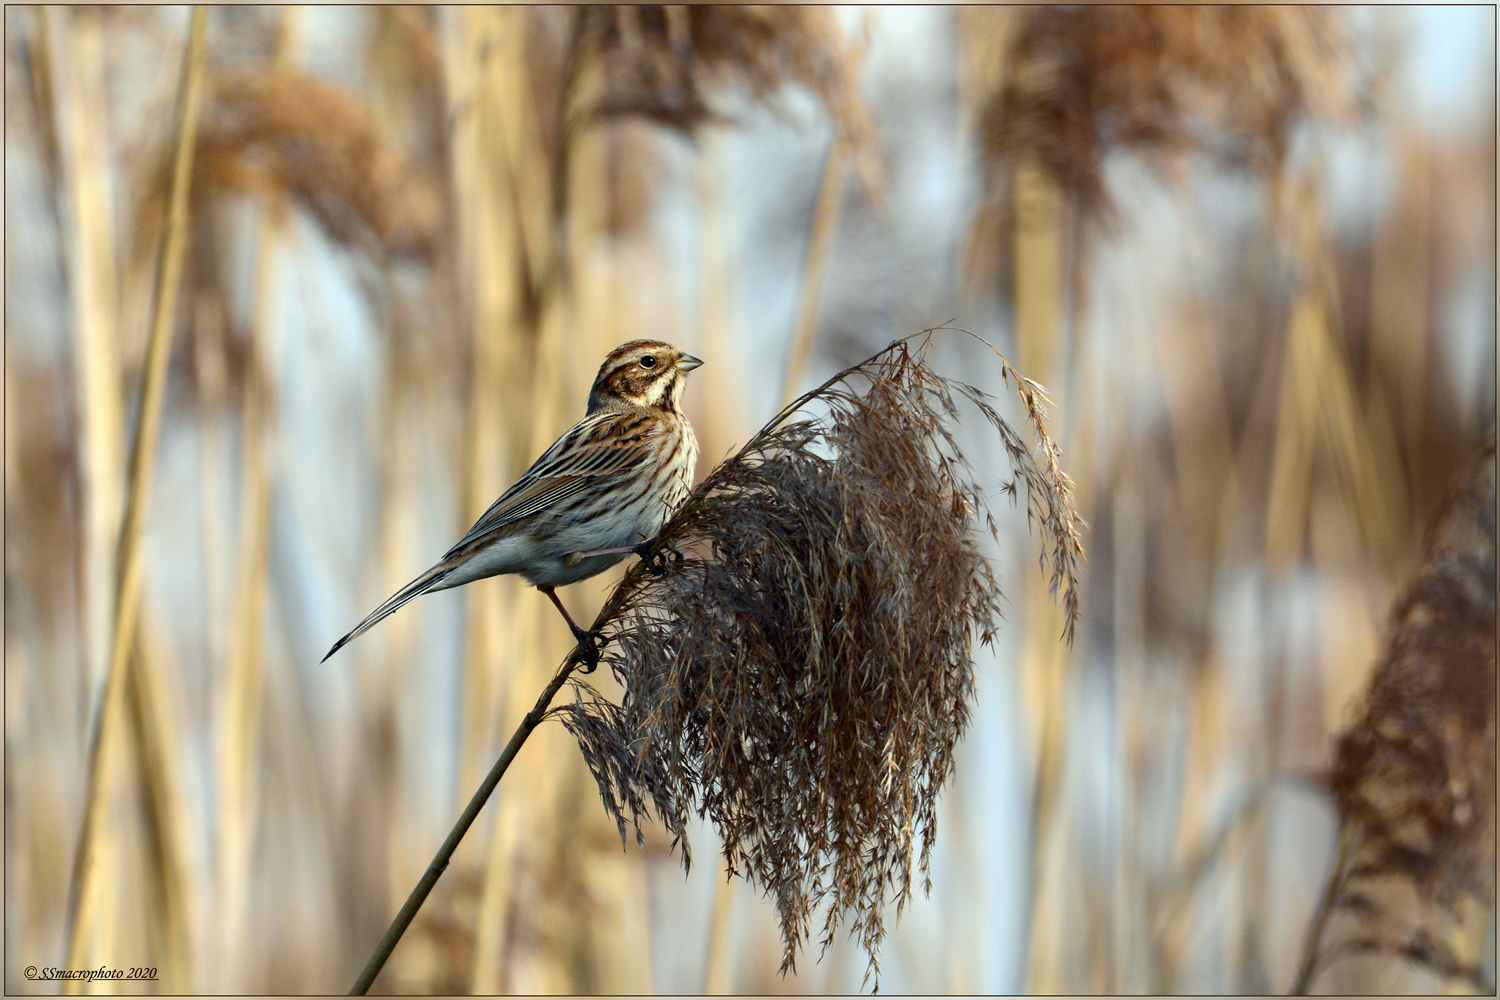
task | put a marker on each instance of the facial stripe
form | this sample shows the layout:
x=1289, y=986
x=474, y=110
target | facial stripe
x=622, y=378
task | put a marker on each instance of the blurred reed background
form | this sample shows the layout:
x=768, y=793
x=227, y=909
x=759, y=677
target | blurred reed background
x=1250, y=252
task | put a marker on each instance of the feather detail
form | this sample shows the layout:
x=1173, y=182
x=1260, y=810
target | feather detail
x=599, y=447
x=421, y=585
x=612, y=480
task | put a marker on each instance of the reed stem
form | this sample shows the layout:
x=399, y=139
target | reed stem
x=440, y=860
x=84, y=894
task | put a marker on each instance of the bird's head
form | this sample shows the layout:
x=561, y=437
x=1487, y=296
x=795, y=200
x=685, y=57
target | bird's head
x=642, y=373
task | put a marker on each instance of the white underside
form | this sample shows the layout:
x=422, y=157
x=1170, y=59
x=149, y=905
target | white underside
x=546, y=563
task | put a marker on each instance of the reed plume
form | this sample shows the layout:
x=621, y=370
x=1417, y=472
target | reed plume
x=1414, y=776
x=801, y=670
x=1227, y=82
x=663, y=61
x=677, y=66
x=275, y=130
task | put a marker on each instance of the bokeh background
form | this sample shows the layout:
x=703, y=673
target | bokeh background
x=1250, y=253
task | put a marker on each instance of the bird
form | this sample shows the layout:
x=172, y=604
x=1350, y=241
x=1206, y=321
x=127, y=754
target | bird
x=601, y=492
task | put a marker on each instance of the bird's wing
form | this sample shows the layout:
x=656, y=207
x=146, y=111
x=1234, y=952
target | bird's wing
x=598, y=448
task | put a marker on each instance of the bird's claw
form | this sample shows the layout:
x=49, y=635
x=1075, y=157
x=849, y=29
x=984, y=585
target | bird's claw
x=588, y=644
x=656, y=562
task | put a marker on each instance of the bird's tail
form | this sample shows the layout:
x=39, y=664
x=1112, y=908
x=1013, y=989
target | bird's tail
x=421, y=585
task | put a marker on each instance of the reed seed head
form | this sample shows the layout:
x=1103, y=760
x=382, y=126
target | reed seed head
x=802, y=674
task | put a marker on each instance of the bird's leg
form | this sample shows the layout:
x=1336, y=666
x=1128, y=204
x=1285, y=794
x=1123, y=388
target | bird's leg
x=587, y=640
x=656, y=562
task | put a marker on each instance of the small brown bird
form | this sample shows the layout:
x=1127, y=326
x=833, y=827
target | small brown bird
x=601, y=492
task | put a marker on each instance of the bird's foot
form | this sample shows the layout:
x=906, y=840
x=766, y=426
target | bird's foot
x=656, y=561
x=588, y=644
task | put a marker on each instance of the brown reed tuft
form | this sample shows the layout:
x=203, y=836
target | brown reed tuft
x=1229, y=82
x=281, y=130
x=1414, y=776
x=801, y=671
x=660, y=61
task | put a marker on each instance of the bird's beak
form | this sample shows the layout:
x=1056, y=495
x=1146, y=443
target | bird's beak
x=686, y=363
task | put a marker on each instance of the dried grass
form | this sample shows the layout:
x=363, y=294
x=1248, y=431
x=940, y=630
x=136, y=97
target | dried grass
x=662, y=61
x=77, y=99
x=801, y=671
x=1228, y=82
x=270, y=131
x=1414, y=775
x=87, y=896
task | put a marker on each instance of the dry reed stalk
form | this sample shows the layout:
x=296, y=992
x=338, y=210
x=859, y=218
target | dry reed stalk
x=513, y=243
x=211, y=378
x=39, y=45
x=477, y=87
x=171, y=831
x=408, y=96
x=238, y=712
x=1209, y=499
x=984, y=34
x=434, y=870
x=12, y=489
x=1318, y=403
x=241, y=697
x=1413, y=776
x=544, y=341
x=1170, y=907
x=46, y=719
x=1207, y=480
x=527, y=829
x=407, y=399
x=611, y=293
x=402, y=513
x=1400, y=277
x=717, y=971
x=85, y=891
x=482, y=65
x=717, y=428
x=523, y=147
x=1295, y=436
x=491, y=934
x=1038, y=303
x=78, y=95
x=1124, y=941
x=562, y=933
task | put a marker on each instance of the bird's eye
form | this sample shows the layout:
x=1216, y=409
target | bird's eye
x=648, y=362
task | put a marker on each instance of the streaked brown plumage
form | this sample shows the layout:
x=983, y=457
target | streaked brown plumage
x=603, y=488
